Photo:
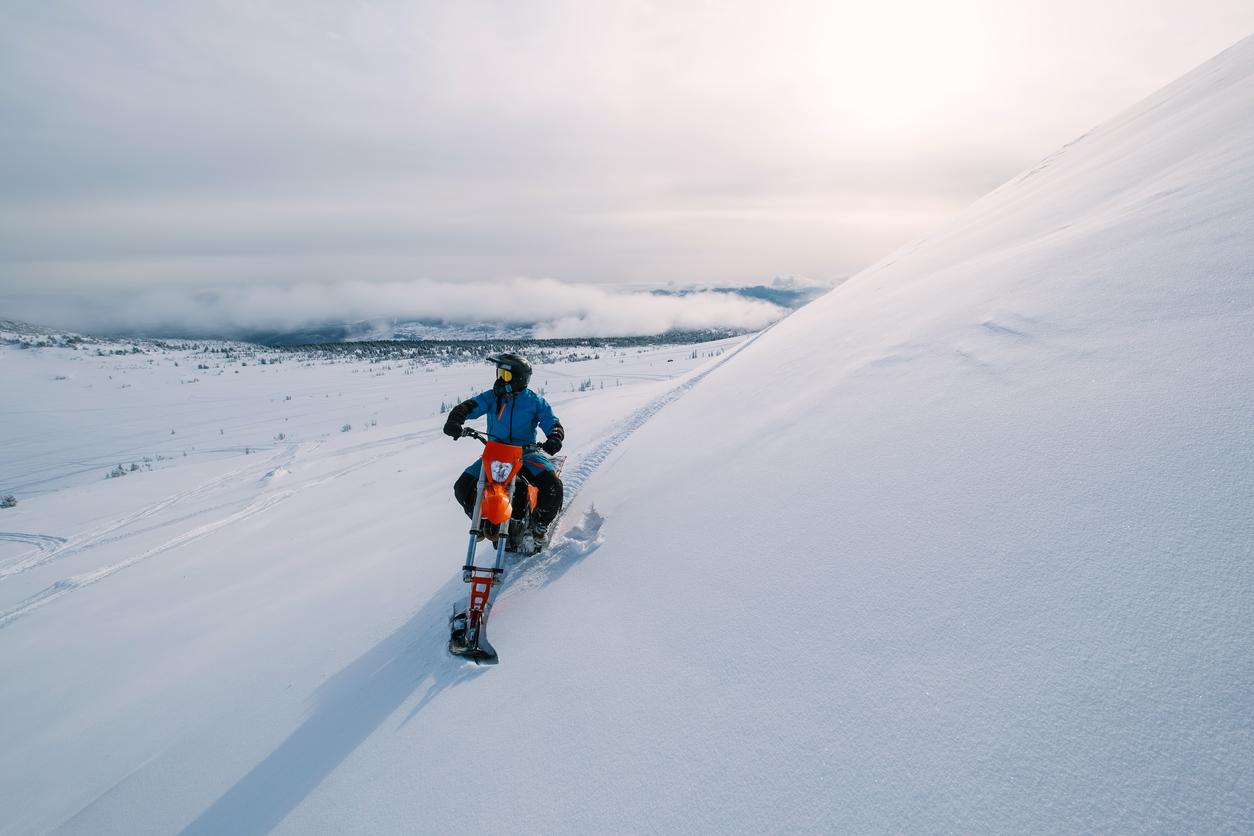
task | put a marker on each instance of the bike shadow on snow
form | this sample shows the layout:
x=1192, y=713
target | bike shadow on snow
x=540, y=571
x=348, y=708
x=354, y=703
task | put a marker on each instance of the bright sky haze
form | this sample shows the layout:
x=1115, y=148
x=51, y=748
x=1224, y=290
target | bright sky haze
x=159, y=150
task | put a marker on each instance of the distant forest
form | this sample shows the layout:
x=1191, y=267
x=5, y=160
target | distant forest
x=542, y=351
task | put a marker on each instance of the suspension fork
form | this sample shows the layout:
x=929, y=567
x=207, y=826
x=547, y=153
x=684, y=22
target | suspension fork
x=481, y=578
x=475, y=519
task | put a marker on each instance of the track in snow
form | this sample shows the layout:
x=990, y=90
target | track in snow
x=91, y=539
x=67, y=585
x=265, y=502
x=584, y=538
x=588, y=463
x=42, y=542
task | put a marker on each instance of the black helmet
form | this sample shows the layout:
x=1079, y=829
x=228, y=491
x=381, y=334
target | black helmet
x=518, y=372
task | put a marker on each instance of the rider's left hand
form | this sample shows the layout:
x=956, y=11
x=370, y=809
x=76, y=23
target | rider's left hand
x=551, y=445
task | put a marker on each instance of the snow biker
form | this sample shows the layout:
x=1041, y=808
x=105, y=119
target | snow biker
x=514, y=411
x=511, y=494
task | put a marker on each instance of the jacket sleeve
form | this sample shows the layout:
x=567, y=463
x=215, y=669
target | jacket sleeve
x=548, y=421
x=483, y=402
x=470, y=409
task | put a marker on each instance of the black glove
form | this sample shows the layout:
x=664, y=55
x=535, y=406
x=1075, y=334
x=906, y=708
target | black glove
x=456, y=415
x=551, y=445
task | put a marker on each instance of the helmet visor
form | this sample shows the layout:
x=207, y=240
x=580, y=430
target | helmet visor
x=504, y=374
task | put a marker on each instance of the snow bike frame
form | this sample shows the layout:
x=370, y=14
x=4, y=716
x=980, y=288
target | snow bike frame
x=500, y=466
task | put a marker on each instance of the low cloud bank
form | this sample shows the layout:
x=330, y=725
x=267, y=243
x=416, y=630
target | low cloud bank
x=556, y=309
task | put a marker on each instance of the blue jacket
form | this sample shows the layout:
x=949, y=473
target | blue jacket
x=513, y=419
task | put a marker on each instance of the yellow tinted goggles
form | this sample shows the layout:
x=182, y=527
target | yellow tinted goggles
x=505, y=374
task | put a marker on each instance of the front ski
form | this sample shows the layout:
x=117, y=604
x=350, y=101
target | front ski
x=470, y=644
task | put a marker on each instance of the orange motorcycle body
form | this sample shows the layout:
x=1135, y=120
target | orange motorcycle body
x=501, y=463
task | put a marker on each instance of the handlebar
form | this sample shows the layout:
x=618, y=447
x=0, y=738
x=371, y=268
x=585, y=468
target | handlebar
x=471, y=432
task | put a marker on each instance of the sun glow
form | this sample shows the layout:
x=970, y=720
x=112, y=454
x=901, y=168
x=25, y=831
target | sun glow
x=890, y=68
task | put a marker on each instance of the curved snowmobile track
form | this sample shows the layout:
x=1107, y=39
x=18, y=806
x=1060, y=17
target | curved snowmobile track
x=67, y=585
x=259, y=505
x=574, y=478
x=43, y=542
x=66, y=547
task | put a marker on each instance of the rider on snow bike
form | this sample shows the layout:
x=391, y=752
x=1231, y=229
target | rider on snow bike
x=514, y=412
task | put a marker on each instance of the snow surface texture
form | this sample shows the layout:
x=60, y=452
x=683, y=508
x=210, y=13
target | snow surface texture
x=964, y=546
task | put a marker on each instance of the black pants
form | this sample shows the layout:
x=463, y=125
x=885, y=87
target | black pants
x=547, y=505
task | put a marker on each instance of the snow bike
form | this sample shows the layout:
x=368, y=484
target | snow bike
x=493, y=519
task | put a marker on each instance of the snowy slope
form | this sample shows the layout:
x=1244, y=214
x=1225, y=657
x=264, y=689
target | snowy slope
x=964, y=546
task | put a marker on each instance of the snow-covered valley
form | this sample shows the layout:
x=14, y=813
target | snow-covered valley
x=964, y=546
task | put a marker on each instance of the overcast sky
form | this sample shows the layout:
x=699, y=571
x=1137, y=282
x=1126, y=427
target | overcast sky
x=177, y=146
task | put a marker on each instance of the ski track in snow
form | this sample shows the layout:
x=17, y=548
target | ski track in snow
x=98, y=536
x=65, y=586
x=584, y=538
x=43, y=542
x=588, y=463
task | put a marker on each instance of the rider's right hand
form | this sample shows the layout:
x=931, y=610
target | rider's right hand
x=453, y=430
